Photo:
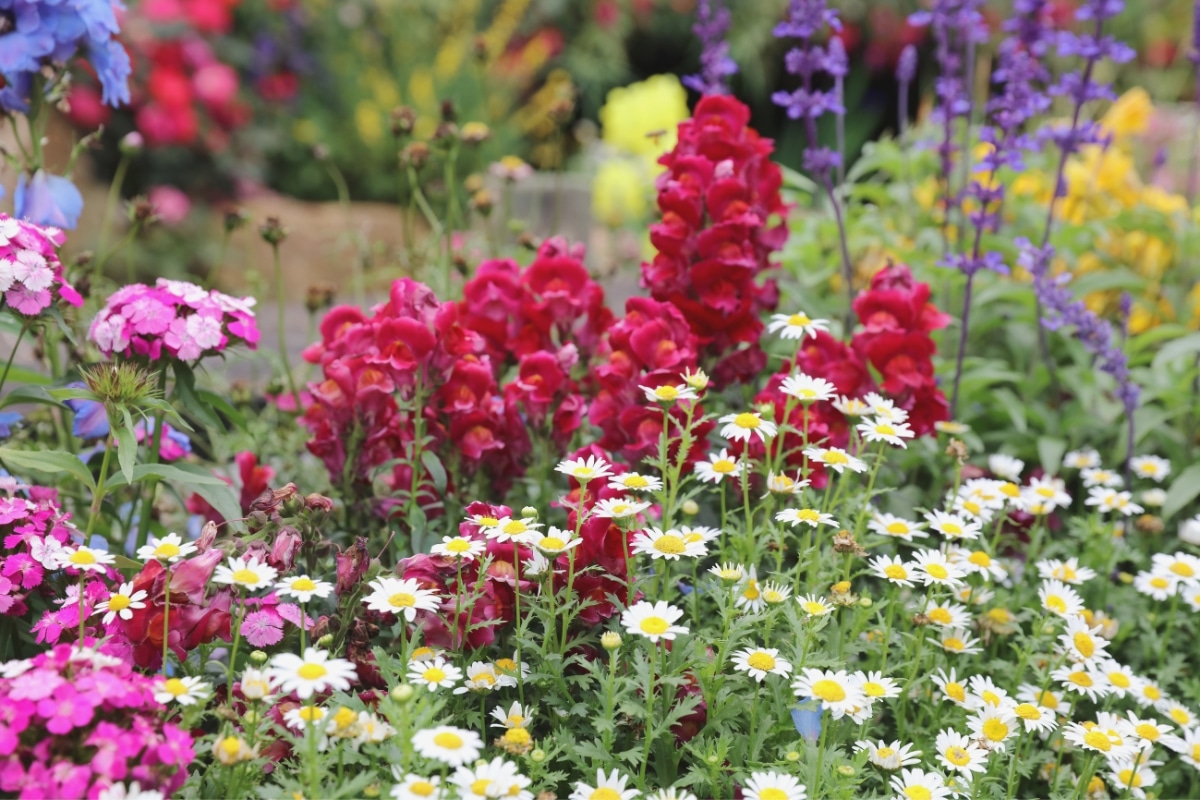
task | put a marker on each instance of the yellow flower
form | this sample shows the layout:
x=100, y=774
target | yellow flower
x=619, y=192
x=368, y=118
x=1129, y=115
x=642, y=118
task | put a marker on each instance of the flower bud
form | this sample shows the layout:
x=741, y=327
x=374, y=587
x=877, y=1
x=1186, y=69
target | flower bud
x=272, y=231
x=402, y=693
x=482, y=202
x=235, y=218
x=371, y=790
x=131, y=143
x=866, y=602
x=251, y=716
x=529, y=512
x=404, y=119
x=841, y=587
x=475, y=133
x=846, y=770
x=415, y=155
x=713, y=759
x=690, y=507
x=792, y=755
x=325, y=640
x=537, y=756
x=259, y=657
x=610, y=640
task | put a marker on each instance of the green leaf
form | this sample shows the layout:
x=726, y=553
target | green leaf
x=224, y=406
x=29, y=394
x=436, y=471
x=124, y=562
x=1050, y=453
x=50, y=461
x=126, y=446
x=1184, y=490
x=185, y=390
x=33, y=377
x=177, y=473
x=1183, y=346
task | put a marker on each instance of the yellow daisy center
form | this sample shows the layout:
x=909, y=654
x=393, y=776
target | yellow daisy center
x=166, y=550
x=1028, y=711
x=1183, y=570
x=829, y=691
x=814, y=608
x=883, y=429
x=479, y=788
x=488, y=522
x=895, y=572
x=655, y=626
x=1081, y=679
x=958, y=756
x=506, y=665
x=751, y=591
x=552, y=543
x=747, y=421
x=808, y=515
x=897, y=528
x=771, y=793
x=724, y=466
x=1159, y=583
x=666, y=393
x=1085, y=645
x=448, y=740
x=917, y=793
x=885, y=752
x=954, y=643
x=459, y=545
x=1179, y=716
x=82, y=558
x=434, y=675
x=1148, y=731
x=514, y=527
x=311, y=713
x=761, y=661
x=670, y=544
x=937, y=571
x=1097, y=741
x=485, y=679
x=303, y=585
x=940, y=615
x=990, y=697
x=175, y=687
x=635, y=482
x=995, y=730
x=1119, y=679
x=873, y=689
x=1048, y=700
x=835, y=457
x=402, y=600
x=518, y=736
x=312, y=672
x=422, y=788
x=1152, y=692
x=799, y=320
x=952, y=529
x=1056, y=604
x=980, y=559
x=246, y=576
x=231, y=746
x=955, y=691
x=1128, y=777
x=118, y=602
x=1010, y=489
x=422, y=653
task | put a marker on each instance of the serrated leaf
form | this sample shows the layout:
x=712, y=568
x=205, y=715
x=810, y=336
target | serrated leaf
x=51, y=461
x=1184, y=489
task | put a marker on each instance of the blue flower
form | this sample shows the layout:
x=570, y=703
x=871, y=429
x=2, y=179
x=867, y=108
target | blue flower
x=91, y=420
x=7, y=420
x=48, y=200
x=807, y=722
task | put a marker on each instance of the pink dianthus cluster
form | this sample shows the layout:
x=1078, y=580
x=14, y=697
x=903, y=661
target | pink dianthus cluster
x=35, y=530
x=173, y=318
x=74, y=722
x=29, y=267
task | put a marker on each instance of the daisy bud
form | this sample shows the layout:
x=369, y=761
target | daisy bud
x=920, y=620
x=371, y=790
x=846, y=769
x=713, y=759
x=690, y=507
x=529, y=512
x=841, y=587
x=325, y=641
x=792, y=755
x=251, y=717
x=259, y=657
x=866, y=602
x=610, y=641
x=537, y=756
x=402, y=693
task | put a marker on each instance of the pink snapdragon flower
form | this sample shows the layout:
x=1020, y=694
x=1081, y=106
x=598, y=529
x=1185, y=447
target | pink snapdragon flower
x=173, y=318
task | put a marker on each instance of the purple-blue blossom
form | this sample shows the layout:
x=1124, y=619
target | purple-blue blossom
x=712, y=28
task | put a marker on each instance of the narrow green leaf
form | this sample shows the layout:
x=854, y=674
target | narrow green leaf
x=1050, y=453
x=126, y=446
x=436, y=471
x=176, y=473
x=29, y=394
x=50, y=461
x=1184, y=490
x=224, y=406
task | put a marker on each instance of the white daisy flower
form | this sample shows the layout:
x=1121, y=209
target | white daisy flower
x=1082, y=643
x=459, y=547
x=881, y=430
x=896, y=527
x=696, y=379
x=718, y=467
x=911, y=784
x=891, y=756
x=185, y=691
x=884, y=409
x=1106, y=500
x=400, y=597
x=773, y=786
x=554, y=541
x=119, y=791
x=972, y=508
x=806, y=516
x=669, y=544
x=958, y=641
x=760, y=662
x=303, y=588
x=1152, y=467
x=946, y=614
x=749, y=593
x=1184, y=566
x=1121, y=680
x=784, y=484
x=1132, y=773
x=729, y=572
x=584, y=470
x=957, y=752
x=836, y=691
x=495, y=778
x=953, y=526
x=1178, y=713
x=1067, y=571
x=448, y=744
x=808, y=389
x=515, y=716
x=619, y=508
x=699, y=533
x=935, y=569
x=609, y=786
x=1102, y=478
x=743, y=426
x=1112, y=740
x=635, y=482
x=247, y=572
x=166, y=550
x=1087, y=458
x=985, y=692
x=978, y=562
x=667, y=394
x=993, y=726
x=510, y=530
x=121, y=603
x=1060, y=599
x=875, y=686
x=312, y=673
x=1156, y=585
x=951, y=427
x=1154, y=498
x=835, y=458
x=796, y=326
x=417, y=787
x=774, y=593
x=1187, y=746
x=951, y=687
x=1082, y=680
x=481, y=677
x=86, y=559
x=1051, y=491
x=1035, y=718
x=255, y=684
x=1006, y=466
x=814, y=606
x=653, y=620
x=893, y=569
x=852, y=407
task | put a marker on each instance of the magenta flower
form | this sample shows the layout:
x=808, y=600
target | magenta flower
x=66, y=710
x=262, y=629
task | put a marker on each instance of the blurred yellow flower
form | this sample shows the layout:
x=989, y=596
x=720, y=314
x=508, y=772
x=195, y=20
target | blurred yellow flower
x=619, y=192
x=642, y=118
x=368, y=118
x=1129, y=115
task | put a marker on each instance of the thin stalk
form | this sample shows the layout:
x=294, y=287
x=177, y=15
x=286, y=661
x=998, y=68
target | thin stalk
x=98, y=494
x=166, y=614
x=649, y=715
x=282, y=319
x=11, y=356
x=114, y=197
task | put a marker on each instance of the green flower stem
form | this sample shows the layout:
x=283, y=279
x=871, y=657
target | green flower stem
x=8, y=364
x=82, y=585
x=114, y=197
x=649, y=735
x=282, y=322
x=151, y=484
x=237, y=638
x=166, y=613
x=98, y=494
